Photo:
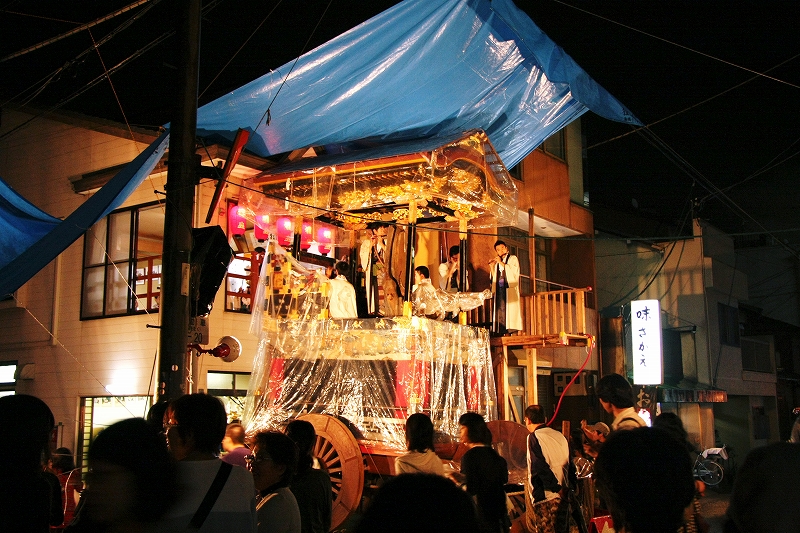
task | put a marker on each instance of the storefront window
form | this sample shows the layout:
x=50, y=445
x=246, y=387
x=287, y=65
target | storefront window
x=8, y=380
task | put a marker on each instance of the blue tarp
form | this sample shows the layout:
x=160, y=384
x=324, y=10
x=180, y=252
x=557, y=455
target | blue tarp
x=22, y=224
x=422, y=69
x=25, y=265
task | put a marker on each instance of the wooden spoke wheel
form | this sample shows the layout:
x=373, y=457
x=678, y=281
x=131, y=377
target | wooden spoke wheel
x=339, y=454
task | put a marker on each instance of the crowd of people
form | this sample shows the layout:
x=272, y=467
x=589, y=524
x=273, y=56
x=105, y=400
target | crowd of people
x=165, y=474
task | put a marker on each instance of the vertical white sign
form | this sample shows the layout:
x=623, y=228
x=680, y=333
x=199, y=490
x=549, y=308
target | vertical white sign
x=646, y=335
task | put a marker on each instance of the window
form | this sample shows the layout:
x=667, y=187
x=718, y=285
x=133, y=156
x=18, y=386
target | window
x=122, y=263
x=755, y=355
x=516, y=171
x=231, y=389
x=728, y=324
x=555, y=145
x=242, y=280
x=8, y=379
x=99, y=412
x=517, y=242
x=542, y=263
x=228, y=383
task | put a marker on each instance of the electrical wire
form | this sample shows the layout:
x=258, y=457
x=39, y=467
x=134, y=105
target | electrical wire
x=219, y=73
x=79, y=29
x=684, y=47
x=589, y=350
x=286, y=78
x=80, y=57
x=698, y=104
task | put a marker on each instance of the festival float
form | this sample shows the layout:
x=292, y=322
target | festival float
x=357, y=380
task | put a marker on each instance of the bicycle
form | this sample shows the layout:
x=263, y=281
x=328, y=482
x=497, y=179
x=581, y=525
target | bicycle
x=707, y=470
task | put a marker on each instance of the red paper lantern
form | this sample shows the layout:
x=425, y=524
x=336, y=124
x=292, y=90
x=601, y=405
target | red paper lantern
x=324, y=239
x=306, y=237
x=237, y=224
x=284, y=231
x=260, y=229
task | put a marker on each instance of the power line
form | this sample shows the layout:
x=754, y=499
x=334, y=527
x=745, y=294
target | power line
x=698, y=104
x=77, y=30
x=673, y=43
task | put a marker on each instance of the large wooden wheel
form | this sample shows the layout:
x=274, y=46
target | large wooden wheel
x=339, y=454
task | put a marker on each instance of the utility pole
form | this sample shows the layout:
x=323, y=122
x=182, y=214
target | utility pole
x=178, y=215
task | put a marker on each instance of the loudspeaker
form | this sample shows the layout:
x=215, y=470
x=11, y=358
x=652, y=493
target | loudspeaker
x=210, y=258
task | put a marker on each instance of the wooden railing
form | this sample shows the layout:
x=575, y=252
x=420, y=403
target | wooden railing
x=548, y=313
x=554, y=312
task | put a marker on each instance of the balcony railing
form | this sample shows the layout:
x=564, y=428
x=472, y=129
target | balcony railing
x=549, y=314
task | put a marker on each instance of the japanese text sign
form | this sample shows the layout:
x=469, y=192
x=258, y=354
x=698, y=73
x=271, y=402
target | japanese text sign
x=646, y=336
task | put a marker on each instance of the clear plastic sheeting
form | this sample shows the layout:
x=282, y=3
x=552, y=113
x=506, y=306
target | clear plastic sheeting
x=369, y=373
x=428, y=301
x=448, y=180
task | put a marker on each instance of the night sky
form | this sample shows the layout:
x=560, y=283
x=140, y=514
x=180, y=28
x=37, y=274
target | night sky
x=722, y=143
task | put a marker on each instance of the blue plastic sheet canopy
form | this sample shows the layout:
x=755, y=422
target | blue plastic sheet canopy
x=420, y=69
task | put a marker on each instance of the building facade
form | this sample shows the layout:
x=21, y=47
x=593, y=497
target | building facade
x=720, y=393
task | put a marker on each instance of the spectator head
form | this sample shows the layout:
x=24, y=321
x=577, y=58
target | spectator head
x=473, y=429
x=423, y=503
x=534, y=414
x=615, y=390
x=455, y=251
x=63, y=460
x=273, y=461
x=645, y=477
x=795, y=436
x=195, y=424
x=672, y=424
x=423, y=271
x=766, y=491
x=304, y=435
x=419, y=432
x=26, y=423
x=132, y=479
x=234, y=437
x=155, y=415
x=342, y=268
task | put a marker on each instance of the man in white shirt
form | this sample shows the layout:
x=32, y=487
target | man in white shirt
x=548, y=457
x=342, y=302
x=616, y=396
x=448, y=272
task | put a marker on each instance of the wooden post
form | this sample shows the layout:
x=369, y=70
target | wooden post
x=178, y=213
x=411, y=237
x=533, y=373
x=298, y=236
x=462, y=265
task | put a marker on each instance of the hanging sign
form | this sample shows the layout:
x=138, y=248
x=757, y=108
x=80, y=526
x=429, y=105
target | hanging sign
x=646, y=336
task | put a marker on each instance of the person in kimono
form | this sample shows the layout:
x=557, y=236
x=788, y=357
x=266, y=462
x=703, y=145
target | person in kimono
x=504, y=271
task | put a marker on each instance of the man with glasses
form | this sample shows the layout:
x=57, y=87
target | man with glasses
x=214, y=496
